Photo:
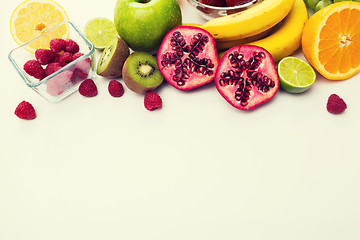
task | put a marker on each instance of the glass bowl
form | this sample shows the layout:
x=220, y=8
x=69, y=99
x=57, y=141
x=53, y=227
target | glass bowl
x=210, y=12
x=66, y=80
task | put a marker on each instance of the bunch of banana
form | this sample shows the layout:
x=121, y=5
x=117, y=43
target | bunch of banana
x=223, y=45
x=250, y=22
x=286, y=36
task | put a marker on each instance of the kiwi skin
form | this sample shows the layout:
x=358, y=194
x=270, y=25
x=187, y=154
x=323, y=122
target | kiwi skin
x=115, y=64
x=133, y=85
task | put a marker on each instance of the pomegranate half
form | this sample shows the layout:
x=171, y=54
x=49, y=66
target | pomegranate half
x=247, y=76
x=187, y=57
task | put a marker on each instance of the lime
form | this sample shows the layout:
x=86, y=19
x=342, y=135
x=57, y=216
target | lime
x=100, y=31
x=296, y=75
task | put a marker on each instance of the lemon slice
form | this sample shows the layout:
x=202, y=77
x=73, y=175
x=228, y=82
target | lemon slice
x=296, y=75
x=100, y=32
x=32, y=18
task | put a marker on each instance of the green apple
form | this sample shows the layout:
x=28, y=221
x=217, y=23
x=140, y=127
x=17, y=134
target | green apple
x=142, y=24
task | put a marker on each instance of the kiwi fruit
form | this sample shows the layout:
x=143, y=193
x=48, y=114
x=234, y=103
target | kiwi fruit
x=141, y=73
x=113, y=58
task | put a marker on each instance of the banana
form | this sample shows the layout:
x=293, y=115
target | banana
x=249, y=22
x=192, y=24
x=222, y=45
x=287, y=38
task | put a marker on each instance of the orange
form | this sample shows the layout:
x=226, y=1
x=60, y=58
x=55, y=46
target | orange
x=34, y=17
x=331, y=40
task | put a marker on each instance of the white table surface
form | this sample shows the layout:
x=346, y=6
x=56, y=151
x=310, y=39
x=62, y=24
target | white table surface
x=198, y=169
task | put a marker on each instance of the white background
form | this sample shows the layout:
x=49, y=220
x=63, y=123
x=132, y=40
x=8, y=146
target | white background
x=198, y=169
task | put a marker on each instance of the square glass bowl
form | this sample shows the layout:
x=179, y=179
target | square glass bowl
x=210, y=12
x=65, y=81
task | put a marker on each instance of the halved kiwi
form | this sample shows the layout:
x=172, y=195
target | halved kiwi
x=141, y=73
x=113, y=58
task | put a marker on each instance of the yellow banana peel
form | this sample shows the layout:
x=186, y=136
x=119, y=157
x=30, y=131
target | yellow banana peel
x=250, y=22
x=222, y=45
x=287, y=38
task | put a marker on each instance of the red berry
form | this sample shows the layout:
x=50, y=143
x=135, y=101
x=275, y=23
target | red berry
x=59, y=83
x=232, y=3
x=71, y=46
x=44, y=56
x=335, y=104
x=77, y=55
x=115, y=88
x=34, y=69
x=78, y=75
x=217, y=3
x=57, y=45
x=65, y=58
x=152, y=101
x=52, y=67
x=25, y=111
x=57, y=57
x=88, y=88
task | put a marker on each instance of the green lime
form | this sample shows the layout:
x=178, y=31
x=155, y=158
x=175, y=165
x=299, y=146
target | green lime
x=100, y=31
x=296, y=75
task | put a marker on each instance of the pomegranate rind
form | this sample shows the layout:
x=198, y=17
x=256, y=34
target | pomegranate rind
x=260, y=91
x=198, y=70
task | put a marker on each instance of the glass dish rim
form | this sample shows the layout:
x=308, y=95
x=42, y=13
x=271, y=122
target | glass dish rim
x=221, y=8
x=24, y=77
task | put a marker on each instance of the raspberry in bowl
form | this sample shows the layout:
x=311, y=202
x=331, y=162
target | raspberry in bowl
x=210, y=9
x=56, y=70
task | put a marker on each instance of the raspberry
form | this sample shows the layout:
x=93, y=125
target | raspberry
x=56, y=57
x=335, y=104
x=71, y=46
x=52, y=67
x=88, y=88
x=58, y=84
x=78, y=75
x=152, y=101
x=115, y=88
x=44, y=56
x=77, y=55
x=33, y=68
x=25, y=111
x=65, y=58
x=57, y=45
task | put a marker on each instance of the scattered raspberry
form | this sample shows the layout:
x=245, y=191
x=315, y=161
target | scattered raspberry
x=71, y=46
x=335, y=104
x=65, y=58
x=52, y=67
x=115, y=88
x=88, y=88
x=77, y=55
x=57, y=45
x=25, y=111
x=33, y=68
x=44, y=56
x=152, y=101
